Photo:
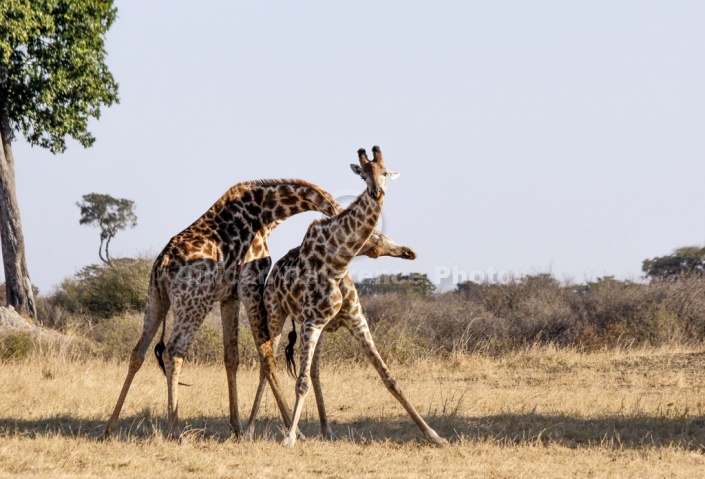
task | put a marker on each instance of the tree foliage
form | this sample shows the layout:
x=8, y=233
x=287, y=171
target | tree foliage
x=53, y=79
x=411, y=284
x=54, y=57
x=110, y=215
x=685, y=261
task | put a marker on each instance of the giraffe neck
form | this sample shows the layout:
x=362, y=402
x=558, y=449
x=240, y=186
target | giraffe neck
x=242, y=211
x=347, y=233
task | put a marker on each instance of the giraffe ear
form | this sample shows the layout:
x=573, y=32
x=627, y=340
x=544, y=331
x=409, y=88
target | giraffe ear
x=392, y=175
x=356, y=169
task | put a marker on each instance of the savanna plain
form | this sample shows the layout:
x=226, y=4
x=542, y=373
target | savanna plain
x=539, y=412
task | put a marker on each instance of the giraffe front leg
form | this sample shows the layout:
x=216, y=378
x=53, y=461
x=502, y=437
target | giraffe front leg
x=326, y=431
x=266, y=351
x=251, y=293
x=361, y=331
x=229, y=313
x=267, y=373
x=250, y=431
x=311, y=332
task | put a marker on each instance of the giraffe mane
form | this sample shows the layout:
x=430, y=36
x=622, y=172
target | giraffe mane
x=281, y=181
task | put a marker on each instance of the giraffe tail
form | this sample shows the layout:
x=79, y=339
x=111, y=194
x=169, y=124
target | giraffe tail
x=289, y=351
x=159, y=351
x=160, y=346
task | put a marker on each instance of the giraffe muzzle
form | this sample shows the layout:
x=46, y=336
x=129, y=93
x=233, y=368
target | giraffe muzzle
x=407, y=253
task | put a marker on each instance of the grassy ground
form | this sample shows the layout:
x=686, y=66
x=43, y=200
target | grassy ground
x=541, y=413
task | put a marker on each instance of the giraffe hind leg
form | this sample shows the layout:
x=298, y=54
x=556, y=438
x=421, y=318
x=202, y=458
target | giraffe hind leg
x=155, y=313
x=186, y=323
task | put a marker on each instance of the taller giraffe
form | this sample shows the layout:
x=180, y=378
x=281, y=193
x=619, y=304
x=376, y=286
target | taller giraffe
x=199, y=267
x=315, y=287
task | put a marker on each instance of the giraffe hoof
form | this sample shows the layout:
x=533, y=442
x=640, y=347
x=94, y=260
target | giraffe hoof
x=175, y=436
x=249, y=434
x=236, y=432
x=437, y=440
x=289, y=442
x=328, y=435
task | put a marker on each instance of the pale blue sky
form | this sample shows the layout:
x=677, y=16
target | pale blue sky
x=530, y=136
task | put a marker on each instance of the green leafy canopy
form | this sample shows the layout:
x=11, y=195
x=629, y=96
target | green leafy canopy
x=109, y=214
x=53, y=58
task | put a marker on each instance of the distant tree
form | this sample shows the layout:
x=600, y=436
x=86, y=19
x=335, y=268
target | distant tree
x=110, y=215
x=411, y=284
x=685, y=261
x=53, y=78
x=468, y=289
x=472, y=290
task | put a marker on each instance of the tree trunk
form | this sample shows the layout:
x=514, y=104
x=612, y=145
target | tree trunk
x=17, y=283
x=107, y=251
x=100, y=250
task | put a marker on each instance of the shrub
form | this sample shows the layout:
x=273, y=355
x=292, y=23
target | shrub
x=496, y=318
x=16, y=345
x=103, y=291
x=116, y=337
x=207, y=345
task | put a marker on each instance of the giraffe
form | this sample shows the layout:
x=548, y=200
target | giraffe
x=312, y=290
x=377, y=245
x=201, y=265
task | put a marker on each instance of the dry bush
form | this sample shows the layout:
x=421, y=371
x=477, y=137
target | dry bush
x=116, y=337
x=20, y=344
x=103, y=291
x=16, y=345
x=496, y=318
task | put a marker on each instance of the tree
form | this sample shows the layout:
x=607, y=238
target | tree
x=53, y=78
x=413, y=283
x=110, y=215
x=685, y=261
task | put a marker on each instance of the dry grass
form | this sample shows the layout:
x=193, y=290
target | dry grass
x=540, y=413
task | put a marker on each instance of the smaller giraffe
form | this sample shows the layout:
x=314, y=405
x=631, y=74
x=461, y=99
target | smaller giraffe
x=377, y=245
x=313, y=290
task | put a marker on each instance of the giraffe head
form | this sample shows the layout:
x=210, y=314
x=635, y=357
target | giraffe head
x=380, y=244
x=373, y=172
